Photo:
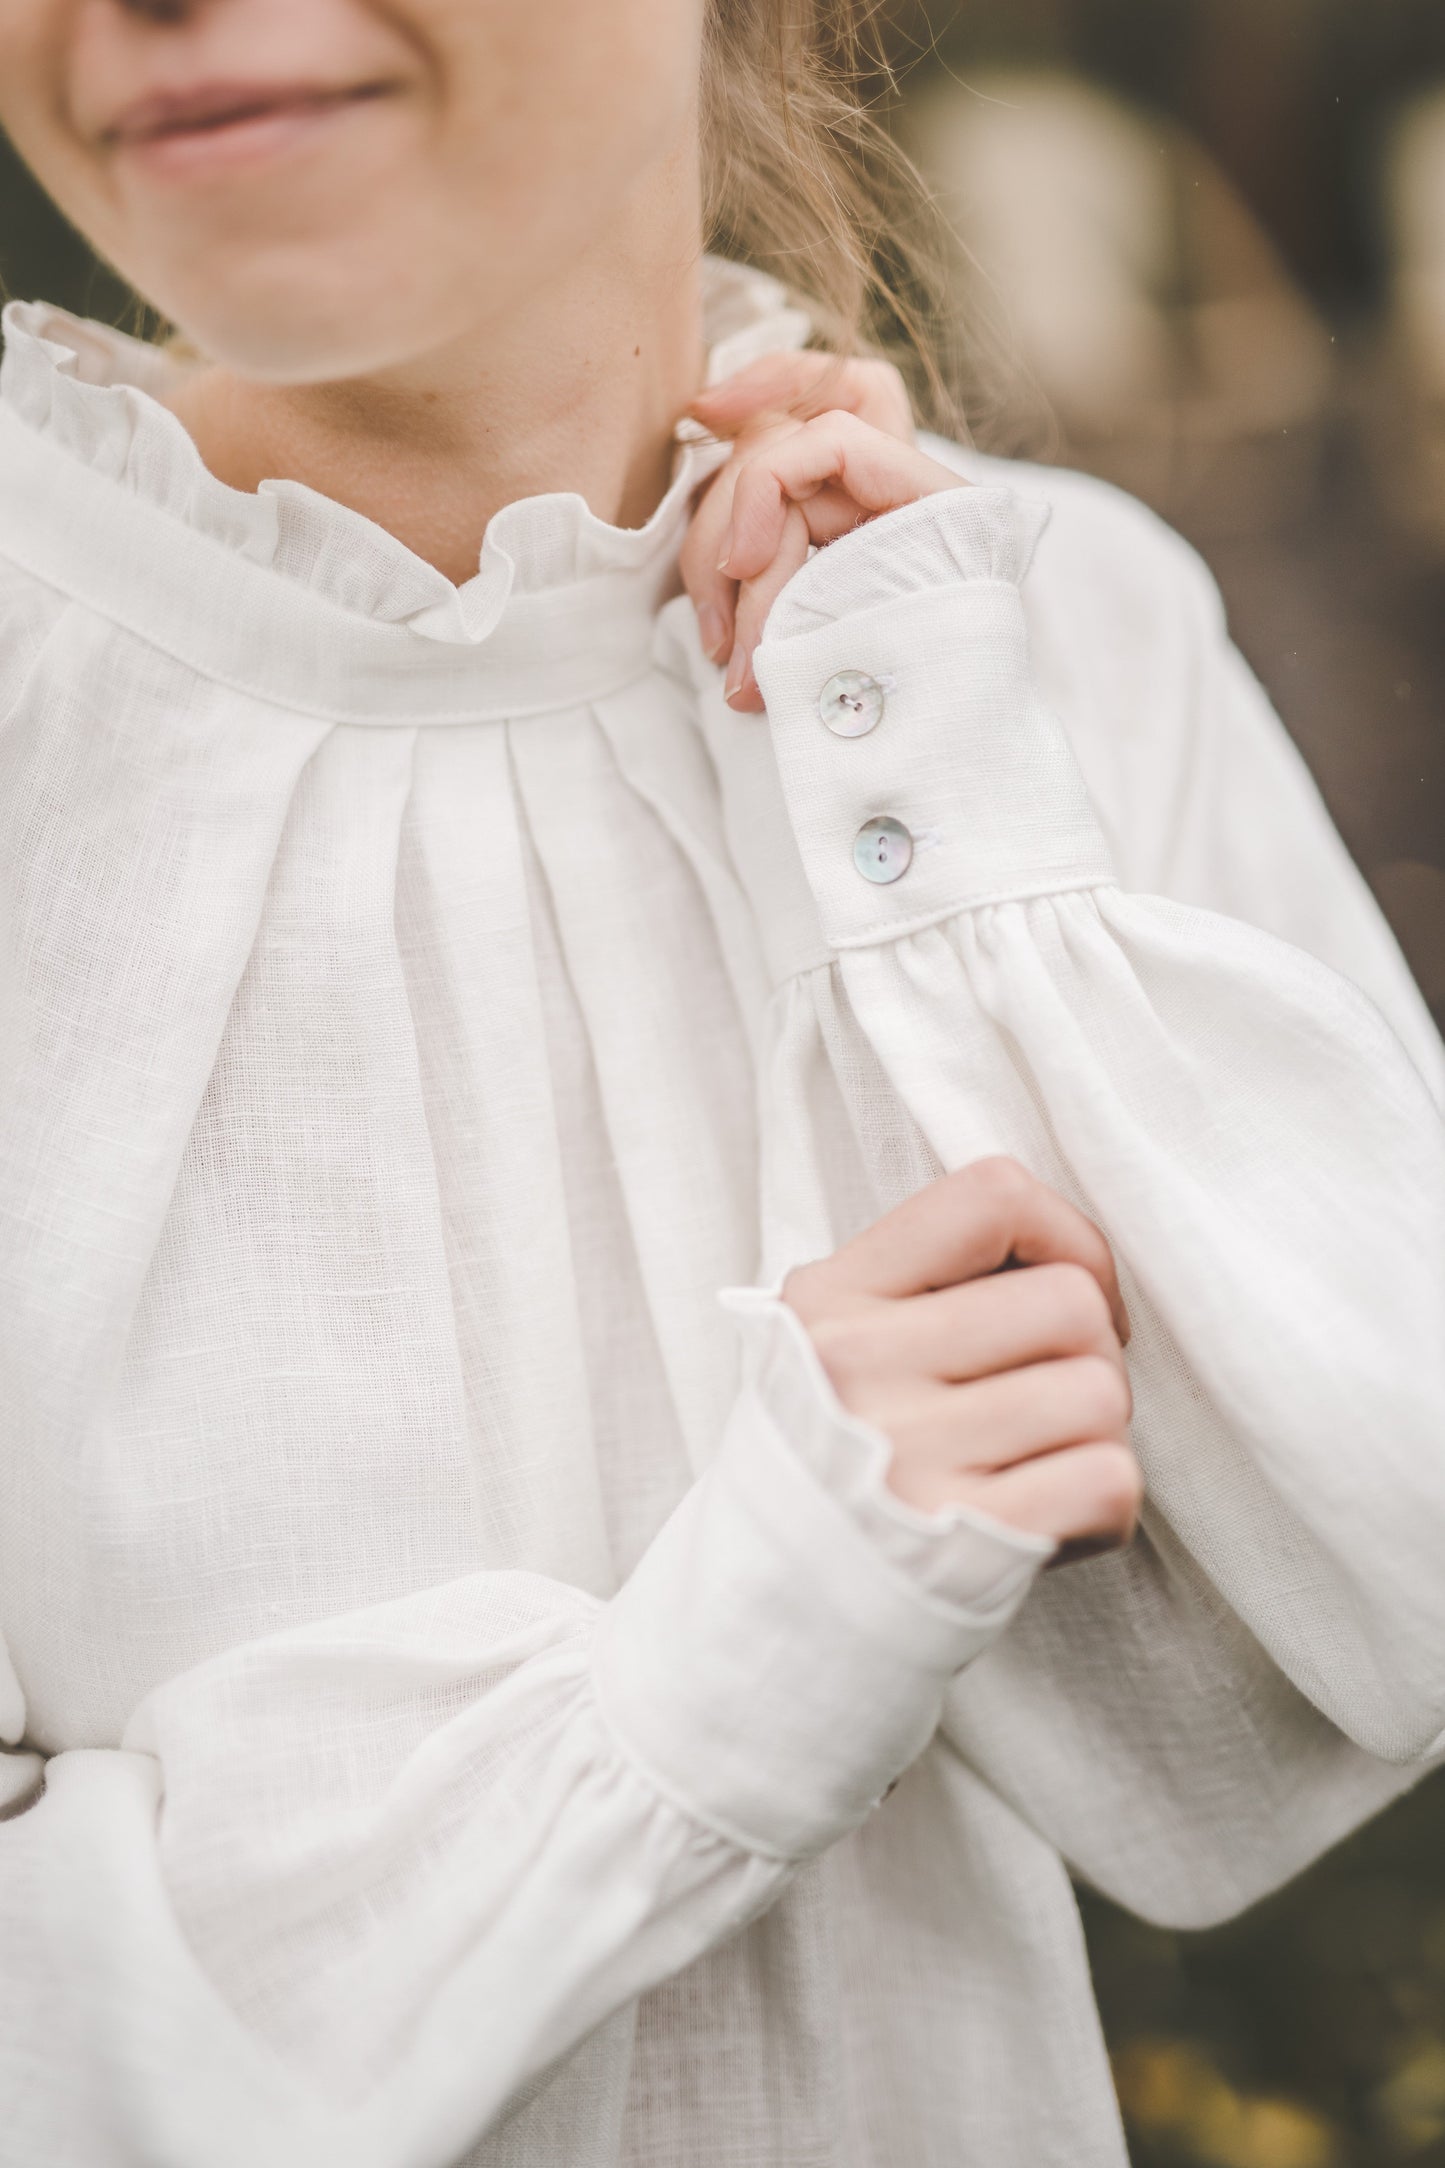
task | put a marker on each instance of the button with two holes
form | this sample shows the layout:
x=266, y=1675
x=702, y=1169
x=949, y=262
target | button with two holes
x=882, y=849
x=851, y=704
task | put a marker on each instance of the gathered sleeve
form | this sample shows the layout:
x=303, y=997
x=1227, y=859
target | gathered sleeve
x=347, y=1892
x=1256, y=1127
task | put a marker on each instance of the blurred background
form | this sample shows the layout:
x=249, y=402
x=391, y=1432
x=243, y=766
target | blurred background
x=1210, y=238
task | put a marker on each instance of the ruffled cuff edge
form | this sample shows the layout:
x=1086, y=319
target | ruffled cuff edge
x=959, y=1554
x=965, y=535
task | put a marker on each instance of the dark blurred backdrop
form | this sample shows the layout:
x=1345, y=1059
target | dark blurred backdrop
x=1212, y=234
x=1211, y=237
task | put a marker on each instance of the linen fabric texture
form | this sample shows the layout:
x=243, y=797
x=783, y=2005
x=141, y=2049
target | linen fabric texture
x=470, y=1694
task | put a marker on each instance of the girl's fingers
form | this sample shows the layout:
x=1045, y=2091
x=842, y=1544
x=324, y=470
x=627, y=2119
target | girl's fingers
x=769, y=399
x=802, y=385
x=965, y=1224
x=841, y=467
x=755, y=599
x=980, y=1428
x=715, y=596
x=1006, y=1321
x=875, y=471
x=713, y=593
x=1087, y=1498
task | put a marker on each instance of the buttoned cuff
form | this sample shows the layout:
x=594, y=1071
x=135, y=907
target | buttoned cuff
x=922, y=772
x=781, y=1652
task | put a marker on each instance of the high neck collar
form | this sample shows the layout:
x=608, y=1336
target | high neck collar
x=103, y=493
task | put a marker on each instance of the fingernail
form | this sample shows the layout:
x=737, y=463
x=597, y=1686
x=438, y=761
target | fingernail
x=726, y=558
x=737, y=671
x=711, y=631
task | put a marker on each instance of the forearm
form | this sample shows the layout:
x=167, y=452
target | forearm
x=344, y=1893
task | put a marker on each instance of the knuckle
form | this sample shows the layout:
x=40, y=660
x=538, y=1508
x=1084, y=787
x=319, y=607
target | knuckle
x=1083, y=1307
x=836, y=1341
x=808, y=368
x=1099, y=1243
x=776, y=427
x=998, y=1177
x=890, y=383
x=800, y=1291
x=1104, y=1395
x=758, y=477
x=1118, y=1486
x=1097, y=1240
x=878, y=370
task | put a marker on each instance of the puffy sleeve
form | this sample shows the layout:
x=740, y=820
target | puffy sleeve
x=1257, y=1128
x=346, y=1892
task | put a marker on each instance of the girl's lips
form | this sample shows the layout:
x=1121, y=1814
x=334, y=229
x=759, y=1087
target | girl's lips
x=220, y=125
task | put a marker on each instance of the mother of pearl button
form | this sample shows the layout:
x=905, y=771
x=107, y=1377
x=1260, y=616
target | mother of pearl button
x=851, y=704
x=882, y=849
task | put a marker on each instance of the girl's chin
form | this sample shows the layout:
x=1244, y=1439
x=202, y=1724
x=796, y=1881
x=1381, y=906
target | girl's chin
x=271, y=343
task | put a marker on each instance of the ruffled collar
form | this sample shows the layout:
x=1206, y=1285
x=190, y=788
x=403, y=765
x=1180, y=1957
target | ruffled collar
x=94, y=395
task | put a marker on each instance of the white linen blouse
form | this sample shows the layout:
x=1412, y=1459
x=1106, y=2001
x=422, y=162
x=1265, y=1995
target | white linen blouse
x=470, y=1693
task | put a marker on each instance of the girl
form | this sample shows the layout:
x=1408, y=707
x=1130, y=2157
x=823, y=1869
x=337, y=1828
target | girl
x=455, y=1710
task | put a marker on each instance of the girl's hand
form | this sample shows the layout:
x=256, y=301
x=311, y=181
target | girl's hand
x=822, y=446
x=1000, y=1389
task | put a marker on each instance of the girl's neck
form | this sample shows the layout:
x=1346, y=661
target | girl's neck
x=579, y=389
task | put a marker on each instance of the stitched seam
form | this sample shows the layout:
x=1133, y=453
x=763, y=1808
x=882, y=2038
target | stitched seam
x=714, y=1825
x=887, y=930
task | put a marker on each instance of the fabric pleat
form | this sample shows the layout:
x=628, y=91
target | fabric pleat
x=636, y=936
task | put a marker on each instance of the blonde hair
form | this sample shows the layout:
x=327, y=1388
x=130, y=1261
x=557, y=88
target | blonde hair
x=803, y=179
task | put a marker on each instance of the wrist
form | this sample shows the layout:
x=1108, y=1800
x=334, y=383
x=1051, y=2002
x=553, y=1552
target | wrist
x=781, y=1652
